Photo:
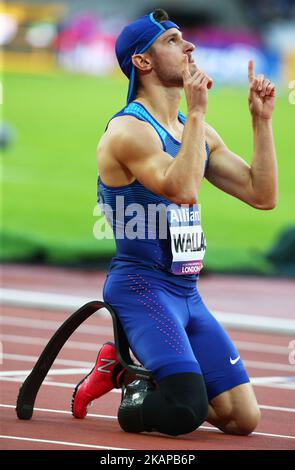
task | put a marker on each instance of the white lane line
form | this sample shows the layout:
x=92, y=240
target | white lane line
x=263, y=347
x=86, y=346
x=271, y=379
x=272, y=435
x=274, y=382
x=65, y=362
x=277, y=408
x=82, y=371
x=210, y=428
x=232, y=320
x=282, y=436
x=256, y=323
x=72, y=386
x=51, y=325
x=62, y=443
x=277, y=385
x=45, y=300
x=22, y=373
x=50, y=384
x=98, y=330
x=47, y=410
x=33, y=360
x=77, y=345
x=269, y=365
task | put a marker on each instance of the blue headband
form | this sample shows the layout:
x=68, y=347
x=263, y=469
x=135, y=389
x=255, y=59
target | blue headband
x=135, y=39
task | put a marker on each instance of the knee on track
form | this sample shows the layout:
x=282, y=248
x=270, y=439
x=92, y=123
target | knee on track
x=185, y=419
x=247, y=424
x=241, y=421
x=187, y=400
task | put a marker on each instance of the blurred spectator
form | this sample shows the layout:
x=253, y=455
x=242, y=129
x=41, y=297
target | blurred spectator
x=261, y=13
x=80, y=35
x=8, y=28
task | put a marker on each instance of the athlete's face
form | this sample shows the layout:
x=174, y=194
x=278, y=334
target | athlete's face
x=168, y=57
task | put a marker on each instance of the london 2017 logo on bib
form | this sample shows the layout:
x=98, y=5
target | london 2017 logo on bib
x=188, y=243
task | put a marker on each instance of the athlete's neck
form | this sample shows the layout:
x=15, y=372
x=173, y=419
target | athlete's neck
x=163, y=104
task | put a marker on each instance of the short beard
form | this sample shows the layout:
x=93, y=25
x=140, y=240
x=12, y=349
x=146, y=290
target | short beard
x=169, y=79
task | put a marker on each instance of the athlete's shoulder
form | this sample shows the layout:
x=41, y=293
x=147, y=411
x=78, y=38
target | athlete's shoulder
x=126, y=130
x=127, y=139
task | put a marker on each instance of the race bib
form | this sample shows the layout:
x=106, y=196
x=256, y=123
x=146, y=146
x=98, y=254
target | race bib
x=188, y=243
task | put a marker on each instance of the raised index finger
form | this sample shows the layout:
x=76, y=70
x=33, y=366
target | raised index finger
x=251, y=71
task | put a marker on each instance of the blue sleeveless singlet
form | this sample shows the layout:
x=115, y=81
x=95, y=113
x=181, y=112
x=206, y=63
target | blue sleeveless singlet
x=150, y=252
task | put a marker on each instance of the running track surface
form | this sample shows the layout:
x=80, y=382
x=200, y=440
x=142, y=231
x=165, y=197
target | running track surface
x=25, y=333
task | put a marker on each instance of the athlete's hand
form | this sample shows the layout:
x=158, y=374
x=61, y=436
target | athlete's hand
x=261, y=94
x=196, y=88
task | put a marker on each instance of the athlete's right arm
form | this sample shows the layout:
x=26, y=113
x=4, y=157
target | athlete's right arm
x=136, y=147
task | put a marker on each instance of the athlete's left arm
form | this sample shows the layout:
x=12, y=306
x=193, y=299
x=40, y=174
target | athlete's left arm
x=255, y=184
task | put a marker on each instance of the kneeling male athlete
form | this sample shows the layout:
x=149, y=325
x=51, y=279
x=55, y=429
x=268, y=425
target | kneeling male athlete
x=151, y=154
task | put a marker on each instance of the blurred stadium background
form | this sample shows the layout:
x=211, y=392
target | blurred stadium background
x=60, y=84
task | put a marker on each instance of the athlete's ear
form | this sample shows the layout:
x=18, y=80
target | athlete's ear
x=142, y=62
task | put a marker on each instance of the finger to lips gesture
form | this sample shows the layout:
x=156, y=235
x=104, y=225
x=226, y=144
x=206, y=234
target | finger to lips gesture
x=195, y=86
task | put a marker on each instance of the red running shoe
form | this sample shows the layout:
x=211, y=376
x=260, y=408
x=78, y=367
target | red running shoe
x=104, y=376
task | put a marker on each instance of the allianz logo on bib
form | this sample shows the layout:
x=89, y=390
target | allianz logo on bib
x=183, y=215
